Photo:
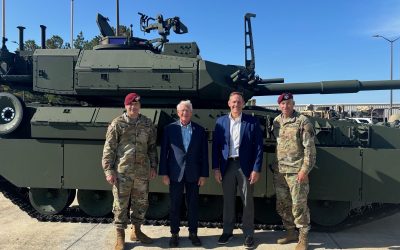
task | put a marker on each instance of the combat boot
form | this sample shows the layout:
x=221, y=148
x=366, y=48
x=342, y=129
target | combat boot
x=291, y=236
x=120, y=239
x=138, y=235
x=303, y=239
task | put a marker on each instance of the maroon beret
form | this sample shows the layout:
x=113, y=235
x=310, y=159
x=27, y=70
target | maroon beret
x=284, y=96
x=131, y=97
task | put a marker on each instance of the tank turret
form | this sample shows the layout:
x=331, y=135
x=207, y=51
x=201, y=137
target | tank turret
x=159, y=70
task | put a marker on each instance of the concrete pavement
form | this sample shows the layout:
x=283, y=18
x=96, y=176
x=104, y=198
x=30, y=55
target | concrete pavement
x=19, y=231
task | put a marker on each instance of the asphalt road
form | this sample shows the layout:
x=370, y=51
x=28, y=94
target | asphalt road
x=19, y=231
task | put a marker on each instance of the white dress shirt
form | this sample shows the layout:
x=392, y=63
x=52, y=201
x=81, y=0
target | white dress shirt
x=234, y=131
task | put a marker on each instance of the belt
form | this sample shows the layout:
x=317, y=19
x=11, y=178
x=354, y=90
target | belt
x=233, y=158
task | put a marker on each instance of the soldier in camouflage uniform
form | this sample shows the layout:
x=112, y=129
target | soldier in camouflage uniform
x=129, y=161
x=295, y=158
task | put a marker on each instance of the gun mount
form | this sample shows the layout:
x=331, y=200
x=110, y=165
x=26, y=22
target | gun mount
x=163, y=27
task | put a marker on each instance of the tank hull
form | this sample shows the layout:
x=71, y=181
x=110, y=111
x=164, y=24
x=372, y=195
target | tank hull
x=63, y=148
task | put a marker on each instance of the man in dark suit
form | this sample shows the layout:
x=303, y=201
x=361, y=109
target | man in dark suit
x=237, y=154
x=184, y=165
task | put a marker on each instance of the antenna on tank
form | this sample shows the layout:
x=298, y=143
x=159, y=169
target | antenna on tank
x=72, y=23
x=117, y=29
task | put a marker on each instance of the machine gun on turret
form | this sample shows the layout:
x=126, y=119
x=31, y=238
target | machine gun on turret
x=162, y=26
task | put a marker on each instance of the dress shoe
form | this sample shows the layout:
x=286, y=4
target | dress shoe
x=248, y=242
x=224, y=238
x=195, y=240
x=174, y=241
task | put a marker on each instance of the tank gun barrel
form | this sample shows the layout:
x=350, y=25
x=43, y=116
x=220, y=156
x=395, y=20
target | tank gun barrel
x=272, y=80
x=326, y=87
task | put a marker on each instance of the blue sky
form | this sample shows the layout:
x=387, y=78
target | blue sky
x=301, y=41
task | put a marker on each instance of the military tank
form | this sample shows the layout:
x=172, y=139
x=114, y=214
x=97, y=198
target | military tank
x=53, y=148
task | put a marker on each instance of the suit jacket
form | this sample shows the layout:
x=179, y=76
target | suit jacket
x=250, y=149
x=174, y=158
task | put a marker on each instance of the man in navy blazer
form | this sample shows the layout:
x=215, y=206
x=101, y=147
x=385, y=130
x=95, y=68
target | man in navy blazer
x=237, y=154
x=184, y=165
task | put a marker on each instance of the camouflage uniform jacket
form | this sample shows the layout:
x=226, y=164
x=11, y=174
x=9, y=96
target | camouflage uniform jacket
x=295, y=143
x=130, y=147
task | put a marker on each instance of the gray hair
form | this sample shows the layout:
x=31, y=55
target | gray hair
x=186, y=103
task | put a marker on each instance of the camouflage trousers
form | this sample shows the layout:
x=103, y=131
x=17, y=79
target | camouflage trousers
x=136, y=190
x=291, y=200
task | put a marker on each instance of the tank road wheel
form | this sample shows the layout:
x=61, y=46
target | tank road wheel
x=329, y=213
x=210, y=207
x=95, y=202
x=265, y=211
x=49, y=201
x=158, y=206
x=11, y=113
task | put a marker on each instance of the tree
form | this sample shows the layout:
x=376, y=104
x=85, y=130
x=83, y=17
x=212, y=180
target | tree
x=30, y=45
x=66, y=46
x=55, y=42
x=79, y=42
x=95, y=41
x=124, y=31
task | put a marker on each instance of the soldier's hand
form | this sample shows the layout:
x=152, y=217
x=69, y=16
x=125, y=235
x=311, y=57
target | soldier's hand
x=152, y=174
x=254, y=176
x=218, y=176
x=165, y=179
x=112, y=179
x=201, y=181
x=302, y=177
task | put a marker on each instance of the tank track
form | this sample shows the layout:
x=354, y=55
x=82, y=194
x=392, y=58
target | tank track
x=360, y=216
x=19, y=197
